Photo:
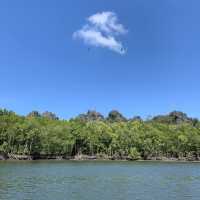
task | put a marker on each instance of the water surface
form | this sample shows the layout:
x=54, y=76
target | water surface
x=97, y=180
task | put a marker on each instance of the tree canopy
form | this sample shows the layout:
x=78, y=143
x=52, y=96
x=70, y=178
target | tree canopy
x=174, y=135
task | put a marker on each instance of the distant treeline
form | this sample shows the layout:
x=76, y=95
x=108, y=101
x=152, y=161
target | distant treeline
x=171, y=136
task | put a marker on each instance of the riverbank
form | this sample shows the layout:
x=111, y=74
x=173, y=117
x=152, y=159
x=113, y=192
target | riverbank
x=82, y=157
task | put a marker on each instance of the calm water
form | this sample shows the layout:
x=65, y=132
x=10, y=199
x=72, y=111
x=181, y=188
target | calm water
x=59, y=180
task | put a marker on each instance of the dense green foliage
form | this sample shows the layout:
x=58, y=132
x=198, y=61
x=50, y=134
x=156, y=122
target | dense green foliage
x=115, y=137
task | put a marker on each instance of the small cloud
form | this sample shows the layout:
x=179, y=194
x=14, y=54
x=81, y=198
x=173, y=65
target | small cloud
x=101, y=30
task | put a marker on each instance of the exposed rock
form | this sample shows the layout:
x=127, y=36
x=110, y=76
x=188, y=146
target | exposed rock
x=136, y=118
x=91, y=115
x=3, y=157
x=19, y=157
x=50, y=115
x=175, y=117
x=84, y=157
x=115, y=116
x=34, y=114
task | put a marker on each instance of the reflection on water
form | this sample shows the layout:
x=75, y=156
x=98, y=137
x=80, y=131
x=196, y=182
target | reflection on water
x=58, y=180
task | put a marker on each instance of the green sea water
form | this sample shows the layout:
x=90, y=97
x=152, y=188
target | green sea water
x=99, y=180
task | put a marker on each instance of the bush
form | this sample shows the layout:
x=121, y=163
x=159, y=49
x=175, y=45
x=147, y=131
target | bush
x=134, y=154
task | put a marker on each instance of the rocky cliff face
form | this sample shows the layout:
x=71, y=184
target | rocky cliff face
x=175, y=117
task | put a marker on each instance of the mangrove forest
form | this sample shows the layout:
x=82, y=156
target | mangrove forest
x=94, y=136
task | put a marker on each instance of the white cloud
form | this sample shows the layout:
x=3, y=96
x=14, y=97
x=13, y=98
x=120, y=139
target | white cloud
x=102, y=30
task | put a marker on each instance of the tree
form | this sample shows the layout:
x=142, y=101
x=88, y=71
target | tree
x=134, y=154
x=172, y=135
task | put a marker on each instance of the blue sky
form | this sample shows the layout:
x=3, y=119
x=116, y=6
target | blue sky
x=43, y=68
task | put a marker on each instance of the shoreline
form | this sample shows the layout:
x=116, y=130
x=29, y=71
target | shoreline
x=100, y=160
x=93, y=158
